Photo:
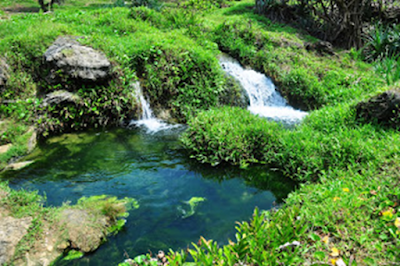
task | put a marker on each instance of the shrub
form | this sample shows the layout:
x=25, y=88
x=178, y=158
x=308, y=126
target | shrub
x=231, y=135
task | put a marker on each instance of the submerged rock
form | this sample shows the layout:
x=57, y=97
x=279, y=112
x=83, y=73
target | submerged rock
x=68, y=59
x=383, y=108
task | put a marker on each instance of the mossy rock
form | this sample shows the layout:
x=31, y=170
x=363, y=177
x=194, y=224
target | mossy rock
x=383, y=108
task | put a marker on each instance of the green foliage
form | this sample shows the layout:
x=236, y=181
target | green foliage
x=205, y=5
x=382, y=42
x=382, y=47
x=328, y=139
x=153, y=4
x=230, y=135
x=110, y=207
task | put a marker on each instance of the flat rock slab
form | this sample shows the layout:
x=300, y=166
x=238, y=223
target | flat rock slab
x=5, y=148
x=77, y=62
x=18, y=166
x=60, y=97
x=11, y=232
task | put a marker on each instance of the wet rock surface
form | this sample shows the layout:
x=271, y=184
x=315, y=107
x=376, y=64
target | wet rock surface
x=68, y=59
x=383, y=108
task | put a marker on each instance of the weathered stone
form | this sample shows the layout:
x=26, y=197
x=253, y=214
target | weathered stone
x=5, y=148
x=32, y=140
x=383, y=108
x=77, y=62
x=82, y=234
x=4, y=75
x=59, y=97
x=321, y=47
x=18, y=166
x=11, y=232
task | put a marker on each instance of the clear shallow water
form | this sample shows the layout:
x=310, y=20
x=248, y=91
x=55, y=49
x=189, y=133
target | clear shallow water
x=152, y=169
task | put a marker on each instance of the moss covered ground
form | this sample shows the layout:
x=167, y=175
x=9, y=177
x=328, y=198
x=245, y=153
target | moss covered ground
x=347, y=207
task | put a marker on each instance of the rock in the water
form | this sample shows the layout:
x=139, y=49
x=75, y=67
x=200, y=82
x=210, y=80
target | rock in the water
x=321, y=47
x=383, y=108
x=11, y=232
x=60, y=97
x=4, y=68
x=82, y=233
x=77, y=62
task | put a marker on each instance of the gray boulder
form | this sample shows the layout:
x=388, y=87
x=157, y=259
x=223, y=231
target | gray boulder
x=60, y=97
x=4, y=68
x=383, y=108
x=77, y=62
x=322, y=47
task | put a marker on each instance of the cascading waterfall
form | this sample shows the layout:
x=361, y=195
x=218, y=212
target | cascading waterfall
x=147, y=119
x=265, y=101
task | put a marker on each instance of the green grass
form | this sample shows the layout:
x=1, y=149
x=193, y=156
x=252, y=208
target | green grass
x=329, y=139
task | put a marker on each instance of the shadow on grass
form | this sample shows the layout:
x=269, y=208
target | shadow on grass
x=22, y=9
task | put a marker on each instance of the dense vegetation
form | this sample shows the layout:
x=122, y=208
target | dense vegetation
x=348, y=207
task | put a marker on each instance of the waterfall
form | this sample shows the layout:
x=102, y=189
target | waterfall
x=265, y=100
x=147, y=118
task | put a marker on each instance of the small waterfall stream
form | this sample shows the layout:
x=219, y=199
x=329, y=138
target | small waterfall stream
x=147, y=119
x=265, y=101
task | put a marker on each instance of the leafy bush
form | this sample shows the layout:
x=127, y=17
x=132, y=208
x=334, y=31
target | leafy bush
x=382, y=42
x=231, y=135
x=204, y=4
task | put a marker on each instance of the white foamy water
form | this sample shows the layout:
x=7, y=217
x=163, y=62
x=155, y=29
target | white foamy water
x=265, y=100
x=147, y=118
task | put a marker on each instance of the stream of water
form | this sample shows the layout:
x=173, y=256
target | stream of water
x=265, y=100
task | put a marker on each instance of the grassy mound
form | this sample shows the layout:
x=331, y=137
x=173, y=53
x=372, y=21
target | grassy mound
x=327, y=140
